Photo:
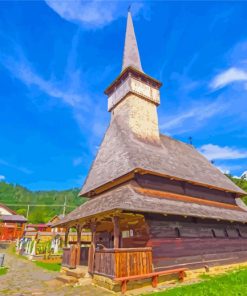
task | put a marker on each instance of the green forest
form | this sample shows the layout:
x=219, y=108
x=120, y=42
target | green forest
x=242, y=183
x=43, y=205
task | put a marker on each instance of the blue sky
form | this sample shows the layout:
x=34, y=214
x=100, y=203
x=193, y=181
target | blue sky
x=56, y=59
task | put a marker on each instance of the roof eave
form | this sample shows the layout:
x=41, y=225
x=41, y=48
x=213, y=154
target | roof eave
x=130, y=175
x=133, y=70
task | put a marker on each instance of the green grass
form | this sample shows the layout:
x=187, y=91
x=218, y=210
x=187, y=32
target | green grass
x=231, y=284
x=49, y=266
x=3, y=270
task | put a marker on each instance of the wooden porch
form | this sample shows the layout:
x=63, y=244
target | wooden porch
x=117, y=247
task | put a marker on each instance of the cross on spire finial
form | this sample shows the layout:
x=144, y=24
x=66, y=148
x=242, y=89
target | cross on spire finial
x=131, y=55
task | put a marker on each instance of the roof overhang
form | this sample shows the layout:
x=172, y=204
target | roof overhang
x=131, y=71
x=129, y=176
x=131, y=197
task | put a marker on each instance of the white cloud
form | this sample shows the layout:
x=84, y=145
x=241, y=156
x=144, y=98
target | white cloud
x=191, y=118
x=66, y=91
x=229, y=76
x=223, y=169
x=215, y=152
x=23, y=71
x=77, y=161
x=2, y=178
x=94, y=13
x=71, y=90
x=15, y=167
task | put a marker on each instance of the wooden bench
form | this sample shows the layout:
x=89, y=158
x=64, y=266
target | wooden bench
x=153, y=275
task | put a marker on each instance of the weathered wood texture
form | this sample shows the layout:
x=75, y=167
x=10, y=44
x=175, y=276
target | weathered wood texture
x=70, y=256
x=123, y=262
x=116, y=233
x=186, y=241
x=91, y=252
x=181, y=187
x=84, y=255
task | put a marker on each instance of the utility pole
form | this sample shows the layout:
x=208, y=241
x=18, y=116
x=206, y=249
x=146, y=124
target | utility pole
x=64, y=206
x=28, y=208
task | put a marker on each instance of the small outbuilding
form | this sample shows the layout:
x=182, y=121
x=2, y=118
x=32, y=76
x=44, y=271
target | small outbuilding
x=12, y=225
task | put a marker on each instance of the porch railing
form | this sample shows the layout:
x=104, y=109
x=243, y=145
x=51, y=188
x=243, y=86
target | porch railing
x=123, y=262
x=70, y=256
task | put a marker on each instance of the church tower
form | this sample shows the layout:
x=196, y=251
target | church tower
x=133, y=96
x=146, y=189
x=133, y=145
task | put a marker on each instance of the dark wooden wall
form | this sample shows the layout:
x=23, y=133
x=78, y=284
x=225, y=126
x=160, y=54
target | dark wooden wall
x=178, y=241
x=181, y=187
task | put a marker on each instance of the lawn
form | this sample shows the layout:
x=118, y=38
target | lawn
x=231, y=284
x=3, y=270
x=49, y=266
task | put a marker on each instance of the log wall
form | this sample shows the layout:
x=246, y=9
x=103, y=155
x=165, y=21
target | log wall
x=178, y=241
x=181, y=187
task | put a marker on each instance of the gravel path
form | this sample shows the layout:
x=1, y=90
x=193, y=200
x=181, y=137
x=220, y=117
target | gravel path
x=25, y=278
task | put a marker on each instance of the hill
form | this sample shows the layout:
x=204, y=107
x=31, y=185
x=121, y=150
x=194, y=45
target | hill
x=43, y=205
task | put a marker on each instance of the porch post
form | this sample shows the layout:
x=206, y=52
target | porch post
x=66, y=237
x=116, y=231
x=78, y=229
x=92, y=249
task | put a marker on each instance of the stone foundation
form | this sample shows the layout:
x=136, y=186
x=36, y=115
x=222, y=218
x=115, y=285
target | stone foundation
x=191, y=275
x=112, y=285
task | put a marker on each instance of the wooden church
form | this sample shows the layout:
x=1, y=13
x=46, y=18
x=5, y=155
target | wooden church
x=155, y=203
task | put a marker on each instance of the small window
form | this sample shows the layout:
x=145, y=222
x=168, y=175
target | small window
x=177, y=231
x=125, y=234
x=239, y=233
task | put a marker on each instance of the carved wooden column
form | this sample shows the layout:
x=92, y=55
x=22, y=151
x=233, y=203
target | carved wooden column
x=92, y=249
x=78, y=230
x=116, y=232
x=66, y=237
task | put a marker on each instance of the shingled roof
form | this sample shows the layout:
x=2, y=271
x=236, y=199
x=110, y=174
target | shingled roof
x=131, y=55
x=136, y=201
x=121, y=152
x=13, y=218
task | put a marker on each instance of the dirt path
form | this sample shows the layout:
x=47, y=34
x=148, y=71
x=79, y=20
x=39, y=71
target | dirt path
x=25, y=278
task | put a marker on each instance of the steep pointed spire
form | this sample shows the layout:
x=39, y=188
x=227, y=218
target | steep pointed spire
x=131, y=55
